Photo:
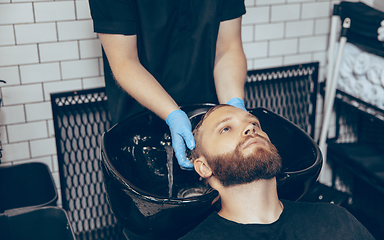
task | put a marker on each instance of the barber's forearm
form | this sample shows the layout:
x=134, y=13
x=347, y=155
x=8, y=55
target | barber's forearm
x=143, y=87
x=230, y=73
x=122, y=55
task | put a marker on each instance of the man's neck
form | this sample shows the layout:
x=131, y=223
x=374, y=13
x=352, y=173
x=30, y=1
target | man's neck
x=255, y=202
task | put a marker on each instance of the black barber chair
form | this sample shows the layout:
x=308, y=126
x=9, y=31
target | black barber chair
x=152, y=204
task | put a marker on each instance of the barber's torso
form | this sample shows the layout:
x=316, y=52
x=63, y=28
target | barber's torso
x=176, y=43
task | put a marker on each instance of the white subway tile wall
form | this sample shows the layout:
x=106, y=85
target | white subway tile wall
x=38, y=111
x=315, y=10
x=12, y=152
x=101, y=67
x=35, y=33
x=249, y=3
x=320, y=57
x=247, y=33
x=90, y=48
x=49, y=46
x=322, y=26
x=6, y=35
x=54, y=11
x=285, y=12
x=12, y=114
x=266, y=62
x=82, y=9
x=22, y=94
x=74, y=30
x=60, y=86
x=297, y=59
x=33, y=0
x=268, y=2
x=269, y=31
x=27, y=131
x=42, y=72
x=256, y=49
x=18, y=54
x=59, y=51
x=299, y=28
x=43, y=147
x=3, y=135
x=313, y=44
x=16, y=13
x=283, y=47
x=11, y=74
x=80, y=68
x=51, y=130
x=256, y=15
x=96, y=82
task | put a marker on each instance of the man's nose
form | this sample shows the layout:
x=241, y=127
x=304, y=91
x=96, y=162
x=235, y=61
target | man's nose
x=250, y=130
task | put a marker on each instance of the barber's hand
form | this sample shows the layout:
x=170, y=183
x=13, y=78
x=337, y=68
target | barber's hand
x=380, y=31
x=181, y=131
x=237, y=102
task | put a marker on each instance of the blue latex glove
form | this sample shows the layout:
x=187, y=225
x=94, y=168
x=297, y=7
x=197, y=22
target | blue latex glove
x=181, y=131
x=237, y=102
x=380, y=32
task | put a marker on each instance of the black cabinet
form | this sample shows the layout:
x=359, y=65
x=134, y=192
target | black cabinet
x=356, y=157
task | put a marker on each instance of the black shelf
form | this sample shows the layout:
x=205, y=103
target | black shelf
x=362, y=106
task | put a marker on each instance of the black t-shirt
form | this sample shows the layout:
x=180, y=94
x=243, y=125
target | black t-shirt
x=298, y=221
x=176, y=43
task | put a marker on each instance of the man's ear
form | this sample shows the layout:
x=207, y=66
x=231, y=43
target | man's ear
x=202, y=167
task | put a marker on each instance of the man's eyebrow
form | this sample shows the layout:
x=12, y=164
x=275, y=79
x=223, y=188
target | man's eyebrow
x=222, y=121
x=253, y=116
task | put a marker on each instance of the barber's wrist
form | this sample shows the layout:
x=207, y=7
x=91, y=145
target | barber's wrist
x=237, y=102
x=171, y=118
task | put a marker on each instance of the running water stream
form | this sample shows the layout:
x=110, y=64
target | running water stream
x=169, y=151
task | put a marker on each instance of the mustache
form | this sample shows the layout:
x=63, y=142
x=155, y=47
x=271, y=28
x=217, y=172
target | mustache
x=256, y=135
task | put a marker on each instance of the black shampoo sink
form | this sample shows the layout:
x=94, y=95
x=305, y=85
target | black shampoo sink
x=154, y=199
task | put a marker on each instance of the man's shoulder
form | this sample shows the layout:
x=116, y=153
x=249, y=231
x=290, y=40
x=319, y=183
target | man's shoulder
x=208, y=229
x=331, y=220
x=312, y=206
x=321, y=212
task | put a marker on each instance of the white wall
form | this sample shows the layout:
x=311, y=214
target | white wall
x=45, y=47
x=49, y=46
x=285, y=33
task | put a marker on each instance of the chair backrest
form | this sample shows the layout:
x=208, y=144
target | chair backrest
x=80, y=118
x=26, y=186
x=44, y=223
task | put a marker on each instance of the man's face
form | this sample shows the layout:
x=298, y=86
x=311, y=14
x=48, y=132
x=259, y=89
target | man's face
x=236, y=148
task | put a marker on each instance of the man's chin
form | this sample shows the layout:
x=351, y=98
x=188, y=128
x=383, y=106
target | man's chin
x=255, y=149
x=242, y=167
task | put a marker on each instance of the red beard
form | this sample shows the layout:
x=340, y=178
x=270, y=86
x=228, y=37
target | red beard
x=233, y=168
